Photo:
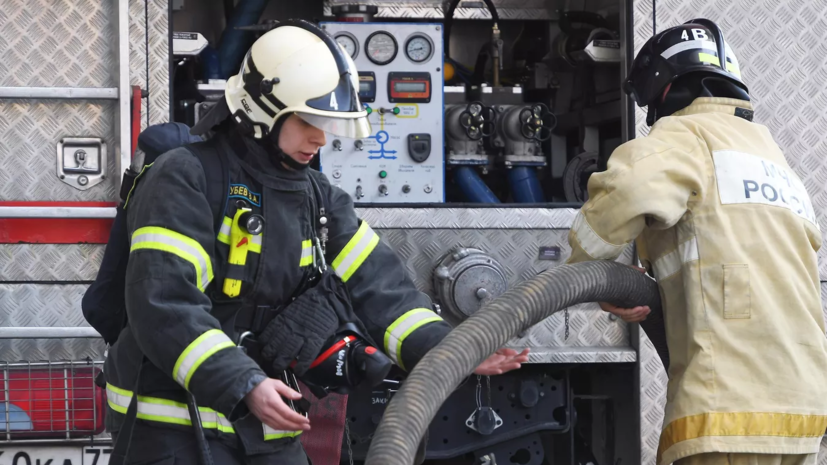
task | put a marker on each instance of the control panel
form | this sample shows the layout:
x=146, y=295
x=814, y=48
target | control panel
x=400, y=85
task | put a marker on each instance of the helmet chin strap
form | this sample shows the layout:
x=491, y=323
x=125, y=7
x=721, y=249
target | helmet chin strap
x=287, y=160
x=271, y=144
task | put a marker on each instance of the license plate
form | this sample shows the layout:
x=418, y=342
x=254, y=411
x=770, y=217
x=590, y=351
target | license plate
x=64, y=455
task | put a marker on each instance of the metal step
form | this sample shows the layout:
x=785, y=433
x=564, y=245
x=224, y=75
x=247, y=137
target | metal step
x=86, y=93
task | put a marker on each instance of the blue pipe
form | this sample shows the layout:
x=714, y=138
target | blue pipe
x=473, y=187
x=235, y=43
x=525, y=187
x=212, y=67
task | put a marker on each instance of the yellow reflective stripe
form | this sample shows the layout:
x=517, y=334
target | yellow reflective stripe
x=741, y=424
x=199, y=350
x=224, y=231
x=166, y=240
x=307, y=253
x=707, y=58
x=118, y=390
x=355, y=252
x=239, y=246
x=134, y=183
x=164, y=410
x=255, y=243
x=402, y=328
x=712, y=59
x=270, y=433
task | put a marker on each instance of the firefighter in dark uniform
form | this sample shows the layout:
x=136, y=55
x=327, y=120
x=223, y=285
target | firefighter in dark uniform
x=191, y=292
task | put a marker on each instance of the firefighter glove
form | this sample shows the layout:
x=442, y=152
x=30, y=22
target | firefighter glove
x=298, y=333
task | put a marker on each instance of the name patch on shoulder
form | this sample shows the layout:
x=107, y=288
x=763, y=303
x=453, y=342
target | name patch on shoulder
x=746, y=178
x=240, y=191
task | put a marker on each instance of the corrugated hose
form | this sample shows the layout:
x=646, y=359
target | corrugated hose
x=438, y=374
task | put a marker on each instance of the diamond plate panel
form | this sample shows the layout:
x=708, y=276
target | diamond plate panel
x=137, y=52
x=782, y=49
x=45, y=43
x=582, y=355
x=29, y=133
x=822, y=453
x=506, y=9
x=652, y=399
x=32, y=305
x=824, y=299
x=50, y=262
x=517, y=251
x=158, y=59
x=48, y=43
x=468, y=218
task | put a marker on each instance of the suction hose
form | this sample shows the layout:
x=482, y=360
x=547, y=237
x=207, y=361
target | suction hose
x=442, y=369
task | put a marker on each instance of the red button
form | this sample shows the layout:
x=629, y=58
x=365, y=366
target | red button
x=370, y=350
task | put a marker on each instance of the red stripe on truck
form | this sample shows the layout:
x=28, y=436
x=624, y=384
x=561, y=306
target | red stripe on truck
x=55, y=230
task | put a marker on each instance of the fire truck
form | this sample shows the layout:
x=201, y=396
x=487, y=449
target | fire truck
x=488, y=118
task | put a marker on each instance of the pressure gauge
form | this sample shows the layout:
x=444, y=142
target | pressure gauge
x=381, y=48
x=348, y=41
x=419, y=48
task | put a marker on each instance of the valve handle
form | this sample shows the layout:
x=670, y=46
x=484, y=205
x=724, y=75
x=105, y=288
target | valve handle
x=537, y=122
x=476, y=118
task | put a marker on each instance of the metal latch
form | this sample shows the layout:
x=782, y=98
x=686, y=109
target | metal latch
x=81, y=161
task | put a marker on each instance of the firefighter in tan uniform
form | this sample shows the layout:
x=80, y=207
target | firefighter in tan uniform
x=728, y=230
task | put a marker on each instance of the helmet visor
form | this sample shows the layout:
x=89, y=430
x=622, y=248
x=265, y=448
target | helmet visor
x=353, y=128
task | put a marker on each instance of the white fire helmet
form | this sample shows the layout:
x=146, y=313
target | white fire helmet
x=298, y=68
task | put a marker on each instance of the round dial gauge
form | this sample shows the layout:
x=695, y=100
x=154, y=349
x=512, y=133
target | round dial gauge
x=349, y=43
x=419, y=49
x=381, y=48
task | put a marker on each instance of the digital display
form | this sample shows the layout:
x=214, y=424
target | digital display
x=409, y=87
x=367, y=86
x=405, y=86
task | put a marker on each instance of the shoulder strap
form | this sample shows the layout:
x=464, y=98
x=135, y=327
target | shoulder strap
x=322, y=220
x=217, y=172
x=320, y=206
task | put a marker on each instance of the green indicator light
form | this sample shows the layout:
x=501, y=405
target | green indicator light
x=368, y=109
x=396, y=110
x=383, y=174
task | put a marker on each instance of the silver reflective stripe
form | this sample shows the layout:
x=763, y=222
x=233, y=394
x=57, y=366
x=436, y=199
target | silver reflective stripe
x=118, y=399
x=355, y=252
x=671, y=263
x=307, y=253
x=402, y=328
x=165, y=411
x=158, y=238
x=224, y=231
x=255, y=243
x=689, y=45
x=593, y=244
x=197, y=352
x=270, y=433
